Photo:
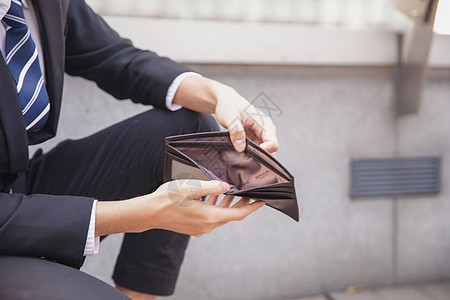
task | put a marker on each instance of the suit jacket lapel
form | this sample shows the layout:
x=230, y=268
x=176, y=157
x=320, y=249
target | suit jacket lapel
x=51, y=17
x=13, y=139
x=51, y=28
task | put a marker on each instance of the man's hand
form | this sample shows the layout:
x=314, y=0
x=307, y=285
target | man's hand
x=232, y=111
x=175, y=206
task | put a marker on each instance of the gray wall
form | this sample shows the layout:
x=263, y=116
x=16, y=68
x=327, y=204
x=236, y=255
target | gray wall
x=329, y=117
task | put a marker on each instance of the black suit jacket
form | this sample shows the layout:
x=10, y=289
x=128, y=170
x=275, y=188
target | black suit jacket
x=77, y=41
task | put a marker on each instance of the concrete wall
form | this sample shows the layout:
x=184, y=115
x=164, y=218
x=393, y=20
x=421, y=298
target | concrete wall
x=287, y=44
x=329, y=117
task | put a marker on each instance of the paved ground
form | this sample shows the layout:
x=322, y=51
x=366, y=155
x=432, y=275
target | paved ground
x=439, y=290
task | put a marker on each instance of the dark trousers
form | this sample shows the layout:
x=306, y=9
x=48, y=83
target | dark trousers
x=123, y=161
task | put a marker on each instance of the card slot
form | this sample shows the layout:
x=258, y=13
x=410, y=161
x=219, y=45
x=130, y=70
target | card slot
x=285, y=193
x=194, y=142
x=218, y=135
x=278, y=185
x=266, y=196
x=181, y=170
x=181, y=159
x=201, y=144
x=284, y=189
x=208, y=173
x=276, y=190
x=272, y=192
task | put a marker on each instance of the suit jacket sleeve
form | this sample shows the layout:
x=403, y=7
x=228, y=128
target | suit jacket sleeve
x=32, y=226
x=96, y=52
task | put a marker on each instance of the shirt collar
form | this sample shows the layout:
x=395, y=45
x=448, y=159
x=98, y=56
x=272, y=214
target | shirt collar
x=6, y=4
x=4, y=7
x=26, y=4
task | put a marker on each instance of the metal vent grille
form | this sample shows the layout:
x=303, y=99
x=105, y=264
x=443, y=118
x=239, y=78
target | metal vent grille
x=395, y=177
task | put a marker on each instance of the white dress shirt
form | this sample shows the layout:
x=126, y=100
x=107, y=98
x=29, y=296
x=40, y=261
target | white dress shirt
x=92, y=242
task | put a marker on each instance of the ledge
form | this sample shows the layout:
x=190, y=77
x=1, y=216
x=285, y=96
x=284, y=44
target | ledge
x=213, y=42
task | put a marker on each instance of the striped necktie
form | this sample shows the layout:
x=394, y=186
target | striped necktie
x=23, y=64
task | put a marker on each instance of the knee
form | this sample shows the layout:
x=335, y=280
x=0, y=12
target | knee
x=192, y=121
x=206, y=122
x=166, y=123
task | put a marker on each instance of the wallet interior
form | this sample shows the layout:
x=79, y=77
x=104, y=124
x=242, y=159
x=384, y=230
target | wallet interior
x=253, y=173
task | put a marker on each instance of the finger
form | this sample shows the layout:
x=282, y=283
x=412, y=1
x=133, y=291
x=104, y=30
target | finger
x=194, y=188
x=237, y=135
x=242, y=202
x=237, y=214
x=270, y=141
x=213, y=187
x=265, y=133
x=270, y=146
x=212, y=200
x=226, y=201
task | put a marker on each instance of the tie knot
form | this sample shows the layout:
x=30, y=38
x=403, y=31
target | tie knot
x=14, y=17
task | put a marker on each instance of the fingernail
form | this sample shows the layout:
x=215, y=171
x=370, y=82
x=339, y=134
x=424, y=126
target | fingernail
x=240, y=144
x=226, y=186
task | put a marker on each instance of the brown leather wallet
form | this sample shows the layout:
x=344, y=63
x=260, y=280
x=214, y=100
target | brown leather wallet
x=253, y=173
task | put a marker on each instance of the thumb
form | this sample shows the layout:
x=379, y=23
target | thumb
x=213, y=187
x=237, y=136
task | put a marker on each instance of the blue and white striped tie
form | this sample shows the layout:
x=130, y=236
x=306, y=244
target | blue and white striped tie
x=23, y=63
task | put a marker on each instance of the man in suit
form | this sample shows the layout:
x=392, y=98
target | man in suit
x=57, y=205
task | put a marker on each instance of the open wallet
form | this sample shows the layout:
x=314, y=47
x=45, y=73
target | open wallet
x=253, y=173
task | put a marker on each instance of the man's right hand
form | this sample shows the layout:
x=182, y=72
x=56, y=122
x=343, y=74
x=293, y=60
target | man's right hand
x=176, y=206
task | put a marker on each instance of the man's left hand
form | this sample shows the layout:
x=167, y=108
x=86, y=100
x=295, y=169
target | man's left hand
x=233, y=112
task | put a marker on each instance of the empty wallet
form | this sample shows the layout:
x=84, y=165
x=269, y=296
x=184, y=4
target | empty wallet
x=253, y=173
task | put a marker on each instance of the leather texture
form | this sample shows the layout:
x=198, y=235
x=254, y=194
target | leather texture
x=253, y=173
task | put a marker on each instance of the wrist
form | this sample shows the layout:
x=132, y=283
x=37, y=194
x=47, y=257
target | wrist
x=132, y=215
x=201, y=94
x=217, y=90
x=145, y=211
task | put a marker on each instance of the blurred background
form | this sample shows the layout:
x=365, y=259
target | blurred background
x=360, y=93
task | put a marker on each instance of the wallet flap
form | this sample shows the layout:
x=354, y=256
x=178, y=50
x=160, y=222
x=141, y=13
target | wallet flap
x=289, y=208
